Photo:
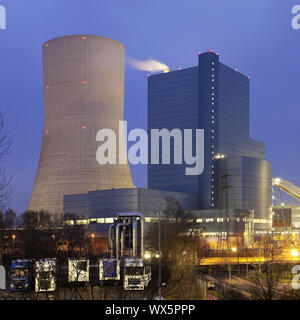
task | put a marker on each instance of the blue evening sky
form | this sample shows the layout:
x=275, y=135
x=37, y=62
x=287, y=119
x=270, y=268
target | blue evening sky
x=254, y=36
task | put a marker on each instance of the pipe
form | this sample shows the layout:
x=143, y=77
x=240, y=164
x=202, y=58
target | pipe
x=141, y=216
x=118, y=237
x=110, y=241
x=122, y=242
x=134, y=238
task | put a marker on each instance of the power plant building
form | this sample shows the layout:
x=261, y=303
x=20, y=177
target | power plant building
x=213, y=97
x=83, y=93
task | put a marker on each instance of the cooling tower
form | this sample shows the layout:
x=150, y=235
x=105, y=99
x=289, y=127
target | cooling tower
x=83, y=93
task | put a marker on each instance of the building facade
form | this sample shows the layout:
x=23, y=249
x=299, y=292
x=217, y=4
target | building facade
x=213, y=97
x=99, y=208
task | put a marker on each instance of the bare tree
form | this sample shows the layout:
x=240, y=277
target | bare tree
x=5, y=149
x=266, y=277
x=7, y=221
x=181, y=251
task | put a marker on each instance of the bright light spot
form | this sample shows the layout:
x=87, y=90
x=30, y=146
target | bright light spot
x=84, y=82
x=295, y=253
x=277, y=181
x=93, y=235
x=234, y=249
x=84, y=38
x=147, y=255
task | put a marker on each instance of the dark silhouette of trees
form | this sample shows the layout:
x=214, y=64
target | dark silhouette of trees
x=5, y=149
x=181, y=251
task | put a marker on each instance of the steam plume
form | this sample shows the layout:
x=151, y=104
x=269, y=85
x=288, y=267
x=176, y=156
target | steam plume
x=148, y=65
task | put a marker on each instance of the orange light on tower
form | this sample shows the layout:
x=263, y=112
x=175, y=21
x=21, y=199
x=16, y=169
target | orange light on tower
x=84, y=38
x=84, y=81
x=83, y=127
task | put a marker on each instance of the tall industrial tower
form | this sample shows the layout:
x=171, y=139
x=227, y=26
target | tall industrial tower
x=214, y=97
x=83, y=93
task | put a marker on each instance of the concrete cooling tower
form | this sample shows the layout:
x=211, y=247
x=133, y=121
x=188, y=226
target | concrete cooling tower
x=83, y=93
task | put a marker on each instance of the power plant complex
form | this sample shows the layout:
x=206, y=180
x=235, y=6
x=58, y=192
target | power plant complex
x=84, y=92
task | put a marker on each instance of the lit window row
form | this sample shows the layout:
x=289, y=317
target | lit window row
x=212, y=132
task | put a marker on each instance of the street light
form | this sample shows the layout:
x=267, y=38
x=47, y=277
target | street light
x=147, y=255
x=295, y=253
x=14, y=242
x=234, y=249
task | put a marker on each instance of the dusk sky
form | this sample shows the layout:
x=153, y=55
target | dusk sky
x=256, y=37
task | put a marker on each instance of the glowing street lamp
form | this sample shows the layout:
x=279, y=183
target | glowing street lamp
x=295, y=253
x=234, y=249
x=147, y=255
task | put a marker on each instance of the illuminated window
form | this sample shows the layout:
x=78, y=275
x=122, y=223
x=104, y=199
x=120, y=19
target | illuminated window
x=82, y=221
x=100, y=220
x=209, y=220
x=109, y=220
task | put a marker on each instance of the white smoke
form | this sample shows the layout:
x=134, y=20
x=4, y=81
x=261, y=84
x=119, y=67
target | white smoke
x=148, y=65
